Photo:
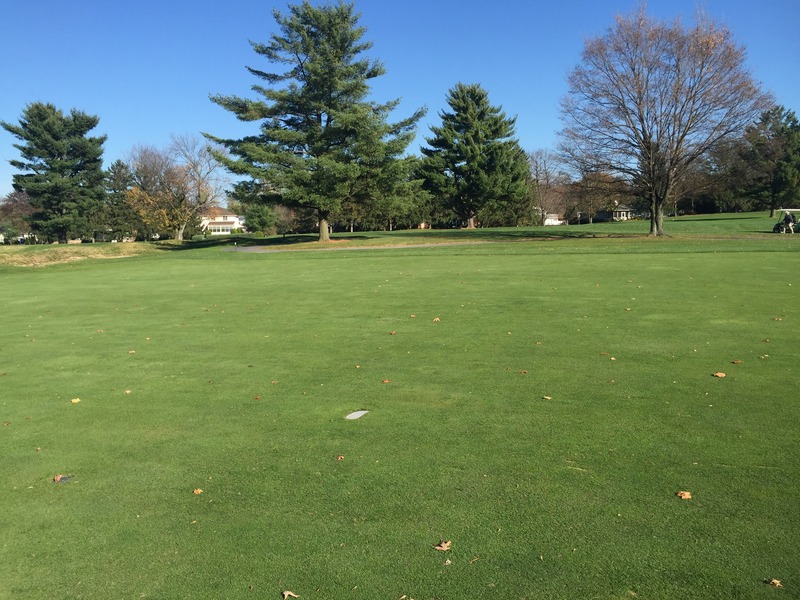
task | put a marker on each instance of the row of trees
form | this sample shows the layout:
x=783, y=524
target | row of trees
x=657, y=115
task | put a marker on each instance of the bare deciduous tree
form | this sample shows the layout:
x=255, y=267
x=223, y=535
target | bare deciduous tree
x=548, y=181
x=650, y=98
x=173, y=186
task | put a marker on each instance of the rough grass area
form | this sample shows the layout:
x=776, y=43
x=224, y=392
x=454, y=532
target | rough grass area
x=539, y=405
x=51, y=254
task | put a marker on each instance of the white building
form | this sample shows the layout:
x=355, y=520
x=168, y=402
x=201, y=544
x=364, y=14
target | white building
x=220, y=221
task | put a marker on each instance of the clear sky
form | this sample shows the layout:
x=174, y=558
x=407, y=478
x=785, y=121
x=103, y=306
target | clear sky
x=146, y=68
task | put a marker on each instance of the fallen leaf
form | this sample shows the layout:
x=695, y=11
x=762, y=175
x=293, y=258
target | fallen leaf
x=612, y=358
x=127, y=391
x=774, y=583
x=131, y=351
x=546, y=398
x=57, y=478
x=340, y=457
x=274, y=382
x=38, y=449
x=719, y=374
x=777, y=318
x=99, y=331
x=736, y=362
x=436, y=319
x=256, y=397
x=197, y=492
x=386, y=381
x=448, y=562
x=628, y=309
x=75, y=400
x=523, y=372
x=412, y=316
x=392, y=333
x=474, y=559
x=443, y=546
x=684, y=495
x=288, y=594
x=6, y=423
x=765, y=340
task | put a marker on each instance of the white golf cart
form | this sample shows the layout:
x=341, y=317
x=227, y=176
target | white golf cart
x=789, y=221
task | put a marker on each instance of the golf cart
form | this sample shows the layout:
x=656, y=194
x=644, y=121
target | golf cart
x=788, y=222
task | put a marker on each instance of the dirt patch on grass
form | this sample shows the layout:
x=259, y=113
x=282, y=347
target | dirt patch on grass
x=42, y=256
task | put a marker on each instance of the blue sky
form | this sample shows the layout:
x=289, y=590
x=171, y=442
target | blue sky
x=147, y=68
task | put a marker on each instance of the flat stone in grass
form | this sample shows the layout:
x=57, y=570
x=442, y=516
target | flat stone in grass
x=356, y=415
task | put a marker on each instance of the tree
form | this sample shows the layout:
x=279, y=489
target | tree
x=120, y=219
x=61, y=169
x=651, y=98
x=772, y=151
x=15, y=214
x=321, y=143
x=172, y=187
x=548, y=181
x=473, y=158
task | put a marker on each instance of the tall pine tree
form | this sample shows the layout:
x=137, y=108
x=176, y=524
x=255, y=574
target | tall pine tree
x=772, y=152
x=473, y=159
x=62, y=170
x=321, y=142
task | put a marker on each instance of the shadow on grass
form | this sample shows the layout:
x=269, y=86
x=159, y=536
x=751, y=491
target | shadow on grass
x=403, y=237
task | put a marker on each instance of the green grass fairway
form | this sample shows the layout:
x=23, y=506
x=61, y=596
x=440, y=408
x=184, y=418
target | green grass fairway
x=537, y=401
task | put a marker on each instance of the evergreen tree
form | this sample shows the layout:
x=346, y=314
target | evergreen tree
x=773, y=153
x=473, y=159
x=321, y=143
x=120, y=219
x=62, y=169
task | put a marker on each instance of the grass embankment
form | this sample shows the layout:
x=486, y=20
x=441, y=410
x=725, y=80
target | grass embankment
x=539, y=405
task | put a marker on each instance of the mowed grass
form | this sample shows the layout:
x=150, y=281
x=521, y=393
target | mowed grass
x=538, y=403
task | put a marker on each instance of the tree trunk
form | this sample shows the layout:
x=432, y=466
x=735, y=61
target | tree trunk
x=324, y=231
x=471, y=223
x=179, y=232
x=656, y=216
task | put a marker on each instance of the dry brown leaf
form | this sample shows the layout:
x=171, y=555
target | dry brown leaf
x=197, y=492
x=288, y=594
x=474, y=559
x=57, y=478
x=774, y=583
x=131, y=351
x=412, y=316
x=436, y=319
x=392, y=333
x=523, y=372
x=256, y=397
x=75, y=400
x=719, y=374
x=340, y=457
x=6, y=423
x=736, y=362
x=684, y=495
x=547, y=398
x=444, y=546
x=386, y=381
